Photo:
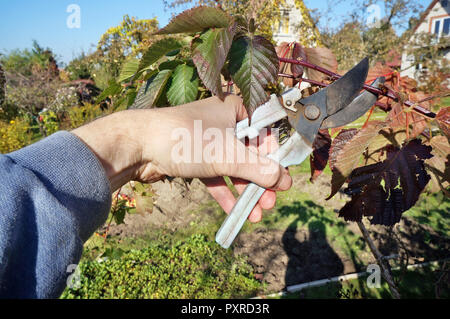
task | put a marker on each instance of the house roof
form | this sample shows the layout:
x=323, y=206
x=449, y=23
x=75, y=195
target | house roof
x=424, y=15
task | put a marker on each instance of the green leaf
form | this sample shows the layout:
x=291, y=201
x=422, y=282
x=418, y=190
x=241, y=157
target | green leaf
x=169, y=65
x=209, y=56
x=173, y=53
x=129, y=70
x=157, y=50
x=119, y=214
x=131, y=97
x=150, y=92
x=253, y=63
x=196, y=20
x=184, y=88
x=113, y=89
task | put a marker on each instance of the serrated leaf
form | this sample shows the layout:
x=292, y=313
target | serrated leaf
x=184, y=87
x=197, y=20
x=319, y=157
x=443, y=120
x=438, y=165
x=209, y=56
x=150, y=92
x=131, y=97
x=157, y=50
x=129, y=69
x=113, y=89
x=388, y=136
x=339, y=142
x=253, y=63
x=387, y=189
x=119, y=213
x=322, y=57
x=169, y=65
x=349, y=155
x=291, y=51
x=414, y=122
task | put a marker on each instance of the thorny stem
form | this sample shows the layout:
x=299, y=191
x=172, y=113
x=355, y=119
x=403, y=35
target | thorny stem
x=389, y=93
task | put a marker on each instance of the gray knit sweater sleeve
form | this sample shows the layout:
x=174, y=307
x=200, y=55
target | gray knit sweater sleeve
x=53, y=195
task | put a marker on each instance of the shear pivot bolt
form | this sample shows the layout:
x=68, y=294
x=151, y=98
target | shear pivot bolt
x=312, y=112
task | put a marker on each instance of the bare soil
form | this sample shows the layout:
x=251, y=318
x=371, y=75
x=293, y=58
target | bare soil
x=289, y=256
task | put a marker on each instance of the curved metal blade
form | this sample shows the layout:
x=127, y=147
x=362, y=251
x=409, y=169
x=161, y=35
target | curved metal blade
x=342, y=92
x=354, y=110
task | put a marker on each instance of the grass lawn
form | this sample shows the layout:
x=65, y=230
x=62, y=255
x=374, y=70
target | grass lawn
x=295, y=209
x=416, y=283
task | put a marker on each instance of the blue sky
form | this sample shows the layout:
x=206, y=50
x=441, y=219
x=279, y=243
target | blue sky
x=21, y=21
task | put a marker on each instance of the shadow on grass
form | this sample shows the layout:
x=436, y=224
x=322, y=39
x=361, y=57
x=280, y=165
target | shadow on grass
x=310, y=258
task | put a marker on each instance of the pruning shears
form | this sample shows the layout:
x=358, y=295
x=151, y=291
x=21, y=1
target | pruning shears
x=336, y=105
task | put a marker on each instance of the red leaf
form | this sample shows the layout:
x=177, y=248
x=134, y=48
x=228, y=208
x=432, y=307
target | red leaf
x=298, y=53
x=415, y=122
x=438, y=165
x=320, y=155
x=339, y=142
x=404, y=177
x=443, y=120
x=347, y=151
x=291, y=51
x=380, y=69
x=322, y=57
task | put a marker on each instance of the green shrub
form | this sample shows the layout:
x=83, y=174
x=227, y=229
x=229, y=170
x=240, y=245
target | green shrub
x=50, y=122
x=14, y=135
x=80, y=115
x=194, y=268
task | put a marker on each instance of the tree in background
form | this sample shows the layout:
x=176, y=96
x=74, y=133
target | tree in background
x=2, y=86
x=82, y=67
x=32, y=80
x=128, y=39
x=358, y=37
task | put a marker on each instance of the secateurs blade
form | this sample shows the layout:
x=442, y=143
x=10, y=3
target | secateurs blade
x=336, y=105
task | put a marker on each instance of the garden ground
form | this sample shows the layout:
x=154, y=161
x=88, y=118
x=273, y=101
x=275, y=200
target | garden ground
x=298, y=241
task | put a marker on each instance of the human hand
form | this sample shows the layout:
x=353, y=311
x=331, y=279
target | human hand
x=192, y=140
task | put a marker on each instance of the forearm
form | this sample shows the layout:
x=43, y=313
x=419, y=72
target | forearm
x=124, y=142
x=112, y=140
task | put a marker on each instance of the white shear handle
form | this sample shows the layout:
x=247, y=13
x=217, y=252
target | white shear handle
x=293, y=152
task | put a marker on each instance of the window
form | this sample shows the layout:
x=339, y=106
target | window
x=437, y=25
x=283, y=27
x=446, y=28
x=444, y=3
x=442, y=27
